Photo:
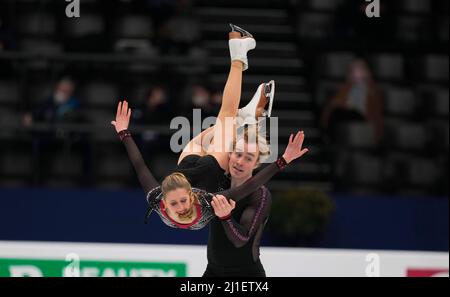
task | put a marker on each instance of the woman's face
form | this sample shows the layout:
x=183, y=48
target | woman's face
x=359, y=72
x=63, y=91
x=178, y=203
x=243, y=159
x=157, y=97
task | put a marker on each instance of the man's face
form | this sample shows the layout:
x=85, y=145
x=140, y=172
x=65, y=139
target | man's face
x=243, y=159
x=64, y=91
x=359, y=73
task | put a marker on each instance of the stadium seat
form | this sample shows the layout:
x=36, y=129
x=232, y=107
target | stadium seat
x=64, y=164
x=356, y=135
x=415, y=6
x=406, y=136
x=399, y=101
x=388, y=66
x=134, y=27
x=99, y=94
x=9, y=93
x=413, y=29
x=184, y=29
x=422, y=172
x=314, y=25
x=336, y=64
x=436, y=68
x=37, y=24
x=16, y=163
x=324, y=4
x=364, y=169
x=107, y=165
x=89, y=24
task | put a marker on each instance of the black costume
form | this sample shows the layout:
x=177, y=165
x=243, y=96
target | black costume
x=233, y=244
x=206, y=178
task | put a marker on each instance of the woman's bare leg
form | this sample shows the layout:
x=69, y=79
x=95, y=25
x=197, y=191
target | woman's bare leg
x=224, y=128
x=228, y=110
x=198, y=145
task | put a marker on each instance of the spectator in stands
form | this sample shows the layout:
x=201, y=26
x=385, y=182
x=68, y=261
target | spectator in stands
x=61, y=107
x=357, y=99
x=200, y=96
x=155, y=108
x=160, y=10
x=195, y=96
x=161, y=13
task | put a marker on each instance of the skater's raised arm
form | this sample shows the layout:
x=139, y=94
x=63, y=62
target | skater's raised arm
x=145, y=177
x=293, y=151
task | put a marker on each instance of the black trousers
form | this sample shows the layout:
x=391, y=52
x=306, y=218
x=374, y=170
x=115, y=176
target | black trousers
x=252, y=270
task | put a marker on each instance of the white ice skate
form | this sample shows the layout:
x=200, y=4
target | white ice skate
x=259, y=107
x=240, y=46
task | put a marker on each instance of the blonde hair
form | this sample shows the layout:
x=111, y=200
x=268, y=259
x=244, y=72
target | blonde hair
x=175, y=181
x=251, y=135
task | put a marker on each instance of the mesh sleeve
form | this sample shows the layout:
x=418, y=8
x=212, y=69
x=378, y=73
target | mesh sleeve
x=255, y=182
x=252, y=218
x=146, y=178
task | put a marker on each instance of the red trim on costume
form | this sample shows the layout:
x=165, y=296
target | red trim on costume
x=281, y=162
x=124, y=133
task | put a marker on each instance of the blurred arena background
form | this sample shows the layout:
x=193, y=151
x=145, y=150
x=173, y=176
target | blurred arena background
x=373, y=190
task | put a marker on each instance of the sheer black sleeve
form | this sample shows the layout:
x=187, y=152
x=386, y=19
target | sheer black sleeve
x=254, y=215
x=145, y=177
x=255, y=182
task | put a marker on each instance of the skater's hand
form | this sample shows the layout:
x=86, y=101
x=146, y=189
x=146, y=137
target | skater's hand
x=122, y=116
x=294, y=149
x=222, y=207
